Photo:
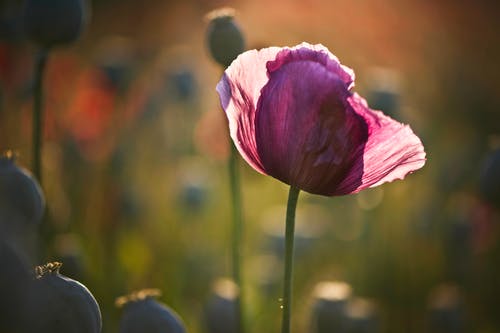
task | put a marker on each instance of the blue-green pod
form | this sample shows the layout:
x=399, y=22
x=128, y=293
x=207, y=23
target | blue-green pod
x=224, y=38
x=143, y=313
x=329, y=307
x=51, y=23
x=489, y=179
x=61, y=304
x=21, y=199
x=15, y=279
x=362, y=316
x=220, y=315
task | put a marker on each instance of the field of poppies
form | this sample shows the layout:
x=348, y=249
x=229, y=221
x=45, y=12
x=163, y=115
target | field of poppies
x=132, y=155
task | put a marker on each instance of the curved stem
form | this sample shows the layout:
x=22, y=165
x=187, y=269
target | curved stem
x=40, y=64
x=293, y=196
x=234, y=180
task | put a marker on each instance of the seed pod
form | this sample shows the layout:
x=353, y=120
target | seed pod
x=61, y=304
x=308, y=229
x=21, y=198
x=220, y=311
x=116, y=57
x=361, y=316
x=330, y=301
x=143, y=313
x=54, y=22
x=67, y=250
x=384, y=92
x=182, y=84
x=224, y=38
x=446, y=310
x=193, y=196
x=15, y=279
x=489, y=180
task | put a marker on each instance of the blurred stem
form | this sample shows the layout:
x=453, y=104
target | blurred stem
x=40, y=64
x=234, y=179
x=293, y=196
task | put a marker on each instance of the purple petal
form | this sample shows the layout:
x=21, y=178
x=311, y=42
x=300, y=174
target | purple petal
x=316, y=53
x=291, y=115
x=307, y=134
x=391, y=152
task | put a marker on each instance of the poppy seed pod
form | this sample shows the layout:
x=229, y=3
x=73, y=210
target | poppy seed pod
x=143, y=313
x=14, y=281
x=224, y=37
x=383, y=93
x=330, y=302
x=361, y=316
x=489, y=180
x=60, y=304
x=446, y=311
x=50, y=23
x=220, y=314
x=21, y=198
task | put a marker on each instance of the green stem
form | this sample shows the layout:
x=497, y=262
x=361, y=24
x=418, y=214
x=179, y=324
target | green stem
x=40, y=64
x=234, y=179
x=293, y=196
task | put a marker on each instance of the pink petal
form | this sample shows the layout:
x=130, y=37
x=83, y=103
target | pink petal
x=391, y=152
x=239, y=91
x=291, y=115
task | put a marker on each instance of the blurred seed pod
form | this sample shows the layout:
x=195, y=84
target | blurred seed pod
x=489, y=179
x=220, y=314
x=116, y=56
x=266, y=270
x=181, y=84
x=361, y=316
x=308, y=229
x=446, y=313
x=458, y=239
x=224, y=38
x=15, y=279
x=143, y=313
x=10, y=23
x=193, y=185
x=51, y=23
x=67, y=250
x=193, y=196
x=384, y=93
x=21, y=199
x=329, y=307
x=61, y=304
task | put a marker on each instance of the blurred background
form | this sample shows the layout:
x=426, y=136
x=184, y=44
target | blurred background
x=136, y=145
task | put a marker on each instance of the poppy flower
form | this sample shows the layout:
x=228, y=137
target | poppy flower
x=293, y=115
